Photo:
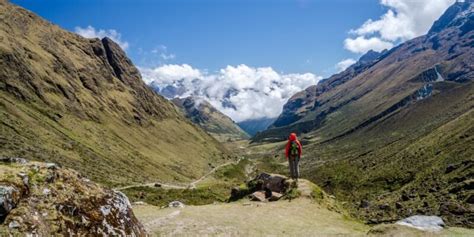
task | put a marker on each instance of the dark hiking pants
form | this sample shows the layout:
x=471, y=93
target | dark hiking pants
x=294, y=167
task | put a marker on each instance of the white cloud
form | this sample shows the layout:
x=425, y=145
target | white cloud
x=91, y=32
x=404, y=20
x=344, y=64
x=241, y=92
x=362, y=44
x=167, y=57
x=168, y=74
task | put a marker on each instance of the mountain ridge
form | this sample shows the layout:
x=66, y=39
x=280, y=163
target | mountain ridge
x=202, y=113
x=81, y=103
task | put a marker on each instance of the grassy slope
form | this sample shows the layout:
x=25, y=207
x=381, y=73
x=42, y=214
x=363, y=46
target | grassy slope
x=62, y=101
x=399, y=156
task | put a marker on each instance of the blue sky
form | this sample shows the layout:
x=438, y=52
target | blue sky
x=288, y=35
x=259, y=52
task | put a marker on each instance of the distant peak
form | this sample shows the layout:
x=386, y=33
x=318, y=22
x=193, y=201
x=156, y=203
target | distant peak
x=456, y=15
x=371, y=55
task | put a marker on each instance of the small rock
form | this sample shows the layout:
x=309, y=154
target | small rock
x=450, y=168
x=258, y=196
x=364, y=204
x=275, y=196
x=385, y=207
x=46, y=191
x=470, y=199
x=51, y=177
x=13, y=160
x=13, y=225
x=405, y=197
x=35, y=167
x=176, y=204
x=51, y=166
x=427, y=223
x=24, y=177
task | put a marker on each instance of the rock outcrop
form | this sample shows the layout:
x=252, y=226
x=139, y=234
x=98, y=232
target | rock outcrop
x=44, y=199
x=264, y=187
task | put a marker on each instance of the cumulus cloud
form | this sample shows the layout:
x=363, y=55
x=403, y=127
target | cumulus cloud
x=362, y=44
x=404, y=20
x=241, y=92
x=344, y=64
x=170, y=73
x=91, y=32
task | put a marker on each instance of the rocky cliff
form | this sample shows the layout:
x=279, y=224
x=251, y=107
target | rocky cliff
x=81, y=103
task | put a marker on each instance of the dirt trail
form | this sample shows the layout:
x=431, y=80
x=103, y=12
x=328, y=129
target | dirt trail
x=191, y=185
x=299, y=217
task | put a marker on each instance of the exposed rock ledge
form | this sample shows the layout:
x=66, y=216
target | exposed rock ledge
x=44, y=199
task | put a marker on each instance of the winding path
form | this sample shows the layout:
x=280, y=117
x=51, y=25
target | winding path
x=191, y=185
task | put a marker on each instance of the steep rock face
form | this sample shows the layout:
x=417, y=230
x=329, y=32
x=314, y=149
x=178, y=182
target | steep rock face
x=81, y=103
x=388, y=139
x=49, y=200
x=200, y=112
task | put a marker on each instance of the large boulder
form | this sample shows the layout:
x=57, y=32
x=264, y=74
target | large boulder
x=264, y=187
x=45, y=200
x=272, y=182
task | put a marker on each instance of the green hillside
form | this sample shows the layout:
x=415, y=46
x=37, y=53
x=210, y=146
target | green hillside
x=81, y=103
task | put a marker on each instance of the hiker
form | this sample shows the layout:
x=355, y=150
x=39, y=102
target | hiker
x=293, y=153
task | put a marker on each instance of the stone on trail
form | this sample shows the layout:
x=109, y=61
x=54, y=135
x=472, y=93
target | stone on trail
x=427, y=223
x=176, y=204
x=258, y=196
x=275, y=196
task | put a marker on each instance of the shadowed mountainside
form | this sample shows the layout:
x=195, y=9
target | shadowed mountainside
x=202, y=113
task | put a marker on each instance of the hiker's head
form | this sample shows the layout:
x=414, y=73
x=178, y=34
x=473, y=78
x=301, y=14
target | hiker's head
x=292, y=137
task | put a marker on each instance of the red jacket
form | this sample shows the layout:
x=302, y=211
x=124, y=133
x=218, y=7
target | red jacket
x=288, y=144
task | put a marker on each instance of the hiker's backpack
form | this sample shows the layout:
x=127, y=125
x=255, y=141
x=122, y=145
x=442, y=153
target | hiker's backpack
x=294, y=151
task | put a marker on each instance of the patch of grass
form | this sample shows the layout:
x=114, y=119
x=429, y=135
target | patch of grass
x=317, y=194
x=233, y=172
x=292, y=192
x=162, y=197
